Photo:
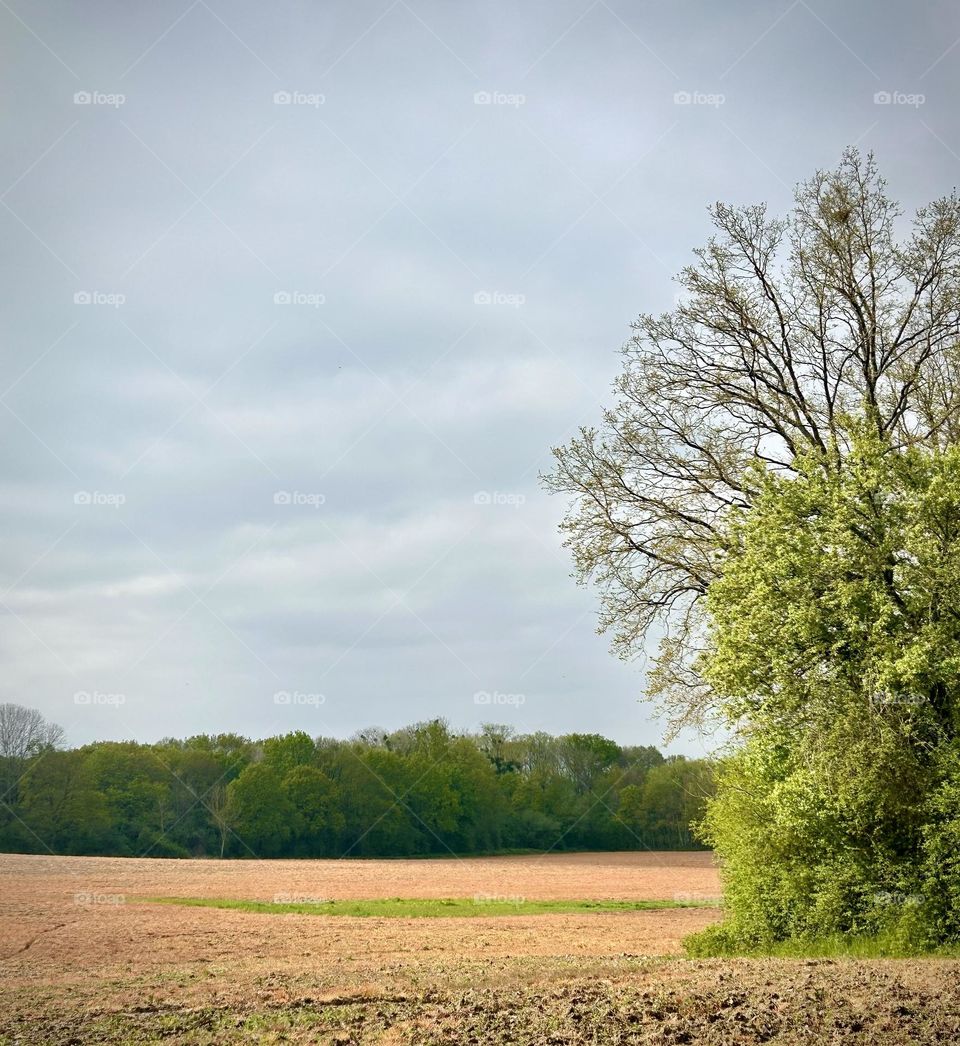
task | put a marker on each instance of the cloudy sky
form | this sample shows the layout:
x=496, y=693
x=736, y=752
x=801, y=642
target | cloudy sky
x=298, y=296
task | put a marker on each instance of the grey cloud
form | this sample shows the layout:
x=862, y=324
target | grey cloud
x=567, y=199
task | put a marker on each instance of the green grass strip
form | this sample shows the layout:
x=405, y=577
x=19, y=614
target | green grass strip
x=839, y=947
x=415, y=908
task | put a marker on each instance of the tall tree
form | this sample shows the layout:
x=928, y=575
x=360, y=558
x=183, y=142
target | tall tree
x=261, y=814
x=315, y=799
x=787, y=327
x=221, y=813
x=62, y=808
x=24, y=733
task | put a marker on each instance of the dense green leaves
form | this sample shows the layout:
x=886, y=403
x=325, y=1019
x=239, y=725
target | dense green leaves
x=835, y=651
x=420, y=790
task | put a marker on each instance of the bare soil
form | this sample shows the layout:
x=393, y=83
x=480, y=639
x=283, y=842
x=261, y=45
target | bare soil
x=85, y=959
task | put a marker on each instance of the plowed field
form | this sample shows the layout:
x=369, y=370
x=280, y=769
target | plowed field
x=87, y=958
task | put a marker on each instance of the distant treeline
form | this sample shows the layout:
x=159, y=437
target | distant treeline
x=421, y=790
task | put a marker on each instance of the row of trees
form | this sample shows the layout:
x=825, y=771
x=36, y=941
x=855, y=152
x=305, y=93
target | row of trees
x=421, y=790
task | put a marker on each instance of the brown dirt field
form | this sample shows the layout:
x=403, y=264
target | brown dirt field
x=102, y=971
x=581, y=876
x=83, y=913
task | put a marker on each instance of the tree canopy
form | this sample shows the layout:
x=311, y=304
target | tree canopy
x=788, y=328
x=835, y=639
x=774, y=500
x=423, y=789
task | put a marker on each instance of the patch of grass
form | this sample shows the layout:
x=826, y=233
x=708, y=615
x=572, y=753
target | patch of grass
x=417, y=908
x=719, y=943
x=856, y=948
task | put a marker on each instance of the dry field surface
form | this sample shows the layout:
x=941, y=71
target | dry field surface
x=86, y=960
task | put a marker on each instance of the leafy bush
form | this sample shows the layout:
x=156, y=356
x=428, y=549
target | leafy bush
x=836, y=651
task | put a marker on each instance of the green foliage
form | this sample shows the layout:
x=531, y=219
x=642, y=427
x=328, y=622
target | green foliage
x=585, y=757
x=60, y=806
x=671, y=800
x=289, y=751
x=317, y=820
x=422, y=790
x=718, y=940
x=834, y=649
x=261, y=813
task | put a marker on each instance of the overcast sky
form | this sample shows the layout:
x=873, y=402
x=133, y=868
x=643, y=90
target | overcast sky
x=298, y=296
